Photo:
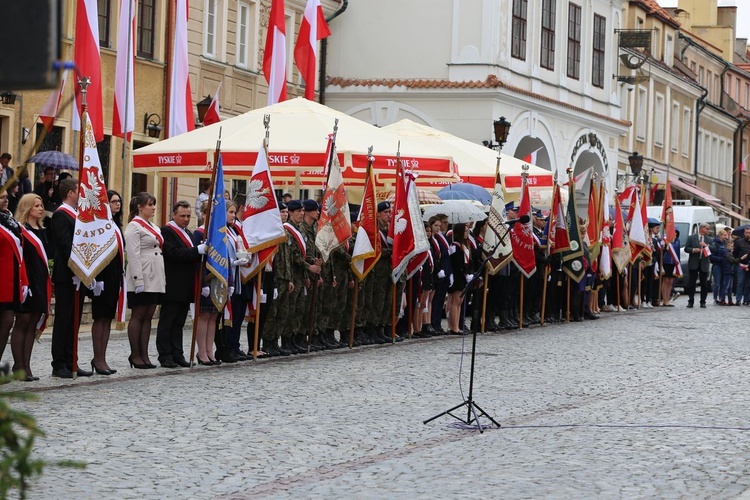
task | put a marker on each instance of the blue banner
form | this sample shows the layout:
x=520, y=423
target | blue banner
x=217, y=251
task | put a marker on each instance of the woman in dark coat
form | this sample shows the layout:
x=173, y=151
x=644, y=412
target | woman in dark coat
x=461, y=263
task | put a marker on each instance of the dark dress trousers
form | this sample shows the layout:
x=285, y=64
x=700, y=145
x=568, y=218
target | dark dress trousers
x=179, y=269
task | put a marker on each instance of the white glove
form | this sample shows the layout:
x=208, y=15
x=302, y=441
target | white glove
x=25, y=292
x=140, y=289
x=240, y=262
x=98, y=288
x=275, y=293
x=77, y=282
x=451, y=250
x=205, y=291
x=231, y=290
x=469, y=277
x=450, y=280
x=202, y=249
x=441, y=274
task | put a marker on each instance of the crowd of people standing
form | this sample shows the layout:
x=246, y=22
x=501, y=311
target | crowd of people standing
x=307, y=304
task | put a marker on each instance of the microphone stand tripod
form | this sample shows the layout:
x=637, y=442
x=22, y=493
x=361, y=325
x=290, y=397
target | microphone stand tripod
x=473, y=410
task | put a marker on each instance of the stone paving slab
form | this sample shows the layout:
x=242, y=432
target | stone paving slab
x=642, y=404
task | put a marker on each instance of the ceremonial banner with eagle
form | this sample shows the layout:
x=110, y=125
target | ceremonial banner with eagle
x=96, y=239
x=497, y=238
x=407, y=218
x=522, y=236
x=261, y=220
x=334, y=227
x=367, y=244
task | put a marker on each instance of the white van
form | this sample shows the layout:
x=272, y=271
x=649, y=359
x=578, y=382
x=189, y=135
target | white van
x=687, y=218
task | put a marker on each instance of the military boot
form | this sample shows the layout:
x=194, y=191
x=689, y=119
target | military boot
x=316, y=343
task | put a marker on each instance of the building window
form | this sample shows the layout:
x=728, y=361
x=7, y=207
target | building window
x=597, y=72
x=640, y=117
x=574, y=41
x=104, y=148
x=104, y=12
x=52, y=141
x=747, y=96
x=209, y=27
x=659, y=120
x=145, y=30
x=518, y=30
x=547, y=59
x=243, y=17
x=674, y=127
x=685, y=142
x=669, y=50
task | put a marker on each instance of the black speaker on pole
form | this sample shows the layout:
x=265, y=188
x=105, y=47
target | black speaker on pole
x=30, y=41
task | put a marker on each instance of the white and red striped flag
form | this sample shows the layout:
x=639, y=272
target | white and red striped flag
x=181, y=117
x=312, y=29
x=123, y=116
x=88, y=62
x=212, y=113
x=49, y=111
x=274, y=57
x=531, y=157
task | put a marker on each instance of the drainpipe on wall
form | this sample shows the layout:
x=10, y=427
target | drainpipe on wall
x=324, y=55
x=737, y=183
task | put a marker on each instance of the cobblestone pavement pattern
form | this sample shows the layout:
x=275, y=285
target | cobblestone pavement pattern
x=641, y=404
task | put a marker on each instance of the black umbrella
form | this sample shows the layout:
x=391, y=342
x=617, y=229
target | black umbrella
x=740, y=231
x=56, y=159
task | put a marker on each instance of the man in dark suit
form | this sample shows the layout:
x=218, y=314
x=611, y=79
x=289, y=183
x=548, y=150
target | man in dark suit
x=180, y=258
x=61, y=229
x=698, y=249
x=441, y=287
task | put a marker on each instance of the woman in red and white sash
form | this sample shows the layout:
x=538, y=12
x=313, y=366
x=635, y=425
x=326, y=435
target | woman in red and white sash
x=33, y=312
x=205, y=330
x=145, y=276
x=105, y=301
x=461, y=263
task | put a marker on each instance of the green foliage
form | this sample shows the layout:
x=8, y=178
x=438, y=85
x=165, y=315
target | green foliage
x=18, y=430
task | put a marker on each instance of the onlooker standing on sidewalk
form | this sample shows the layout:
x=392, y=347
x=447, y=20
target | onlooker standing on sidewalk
x=698, y=249
x=741, y=252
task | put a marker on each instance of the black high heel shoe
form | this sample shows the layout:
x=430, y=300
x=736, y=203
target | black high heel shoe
x=204, y=363
x=143, y=366
x=96, y=369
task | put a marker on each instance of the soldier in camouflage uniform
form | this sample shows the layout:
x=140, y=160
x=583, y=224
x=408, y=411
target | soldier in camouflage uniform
x=271, y=328
x=313, y=262
x=337, y=280
x=380, y=295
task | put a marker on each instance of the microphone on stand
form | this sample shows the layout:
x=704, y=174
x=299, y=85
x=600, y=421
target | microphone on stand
x=522, y=219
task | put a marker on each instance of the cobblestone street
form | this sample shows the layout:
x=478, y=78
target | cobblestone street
x=650, y=403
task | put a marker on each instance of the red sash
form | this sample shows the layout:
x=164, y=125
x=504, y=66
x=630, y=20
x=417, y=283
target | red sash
x=465, y=250
x=35, y=242
x=151, y=229
x=238, y=229
x=444, y=240
x=181, y=233
x=65, y=208
x=297, y=236
x=436, y=245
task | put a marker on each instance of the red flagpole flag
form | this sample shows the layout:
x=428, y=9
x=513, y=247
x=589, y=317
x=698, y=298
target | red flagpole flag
x=123, y=116
x=367, y=244
x=593, y=228
x=49, y=111
x=181, y=117
x=212, y=113
x=88, y=62
x=334, y=228
x=274, y=57
x=400, y=230
x=620, y=244
x=667, y=215
x=522, y=237
x=558, y=239
x=312, y=29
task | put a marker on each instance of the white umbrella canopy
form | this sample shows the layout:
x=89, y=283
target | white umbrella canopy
x=297, y=144
x=476, y=164
x=458, y=211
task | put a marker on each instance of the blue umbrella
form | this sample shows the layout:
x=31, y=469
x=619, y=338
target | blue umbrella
x=56, y=159
x=653, y=221
x=481, y=194
x=447, y=194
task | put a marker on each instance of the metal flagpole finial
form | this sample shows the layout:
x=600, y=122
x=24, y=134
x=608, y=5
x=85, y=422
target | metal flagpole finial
x=218, y=141
x=267, y=125
x=525, y=170
x=370, y=157
x=554, y=177
x=335, y=127
x=84, y=82
x=398, y=151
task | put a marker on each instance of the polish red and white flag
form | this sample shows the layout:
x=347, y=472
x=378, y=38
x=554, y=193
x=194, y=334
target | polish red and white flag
x=49, y=111
x=88, y=62
x=123, y=116
x=274, y=57
x=181, y=117
x=212, y=113
x=312, y=29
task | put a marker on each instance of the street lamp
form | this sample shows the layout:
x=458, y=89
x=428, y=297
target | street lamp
x=636, y=163
x=152, y=125
x=501, y=129
x=203, y=106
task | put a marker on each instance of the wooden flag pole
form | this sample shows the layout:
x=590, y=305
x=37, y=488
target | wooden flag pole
x=257, y=313
x=393, y=314
x=544, y=295
x=484, y=299
x=354, y=314
x=520, y=305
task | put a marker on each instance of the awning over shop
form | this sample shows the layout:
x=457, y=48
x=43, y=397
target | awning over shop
x=713, y=201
